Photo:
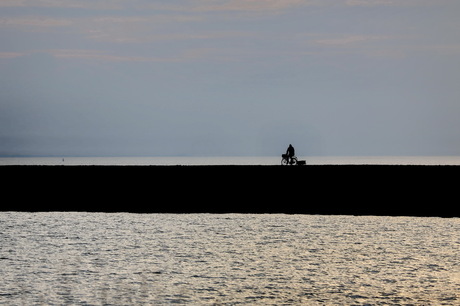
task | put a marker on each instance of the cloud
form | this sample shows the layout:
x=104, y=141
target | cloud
x=236, y=6
x=367, y=45
x=138, y=29
x=401, y=3
x=103, y=56
x=349, y=40
x=83, y=4
x=210, y=5
x=107, y=56
x=370, y=2
x=35, y=21
x=8, y=55
x=193, y=5
x=248, y=5
x=108, y=28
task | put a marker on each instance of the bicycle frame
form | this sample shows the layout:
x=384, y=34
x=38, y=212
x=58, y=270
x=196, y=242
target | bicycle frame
x=285, y=160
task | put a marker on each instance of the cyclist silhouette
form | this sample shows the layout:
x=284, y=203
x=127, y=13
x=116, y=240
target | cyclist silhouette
x=290, y=153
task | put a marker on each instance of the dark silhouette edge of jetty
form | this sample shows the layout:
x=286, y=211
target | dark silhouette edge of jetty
x=382, y=190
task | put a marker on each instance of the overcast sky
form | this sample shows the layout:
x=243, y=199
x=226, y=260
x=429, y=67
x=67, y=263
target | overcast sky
x=229, y=77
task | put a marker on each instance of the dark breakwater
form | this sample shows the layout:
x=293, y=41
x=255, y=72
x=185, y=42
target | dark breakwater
x=324, y=189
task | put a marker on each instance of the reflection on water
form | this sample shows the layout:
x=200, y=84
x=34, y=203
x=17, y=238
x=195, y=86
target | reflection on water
x=98, y=258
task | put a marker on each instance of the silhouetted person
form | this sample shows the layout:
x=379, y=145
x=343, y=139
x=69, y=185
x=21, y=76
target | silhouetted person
x=290, y=153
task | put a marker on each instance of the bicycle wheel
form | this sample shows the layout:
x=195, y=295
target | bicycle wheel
x=294, y=161
x=284, y=162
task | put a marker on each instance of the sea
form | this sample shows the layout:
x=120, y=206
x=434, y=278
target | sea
x=231, y=160
x=79, y=258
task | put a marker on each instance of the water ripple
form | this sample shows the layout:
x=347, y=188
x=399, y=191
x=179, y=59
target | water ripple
x=123, y=259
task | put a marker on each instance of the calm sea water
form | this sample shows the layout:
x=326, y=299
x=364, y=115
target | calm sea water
x=270, y=160
x=202, y=259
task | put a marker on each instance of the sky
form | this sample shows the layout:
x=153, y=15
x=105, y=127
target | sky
x=229, y=77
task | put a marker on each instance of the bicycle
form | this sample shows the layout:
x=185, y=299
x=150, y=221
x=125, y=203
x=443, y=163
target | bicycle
x=285, y=160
